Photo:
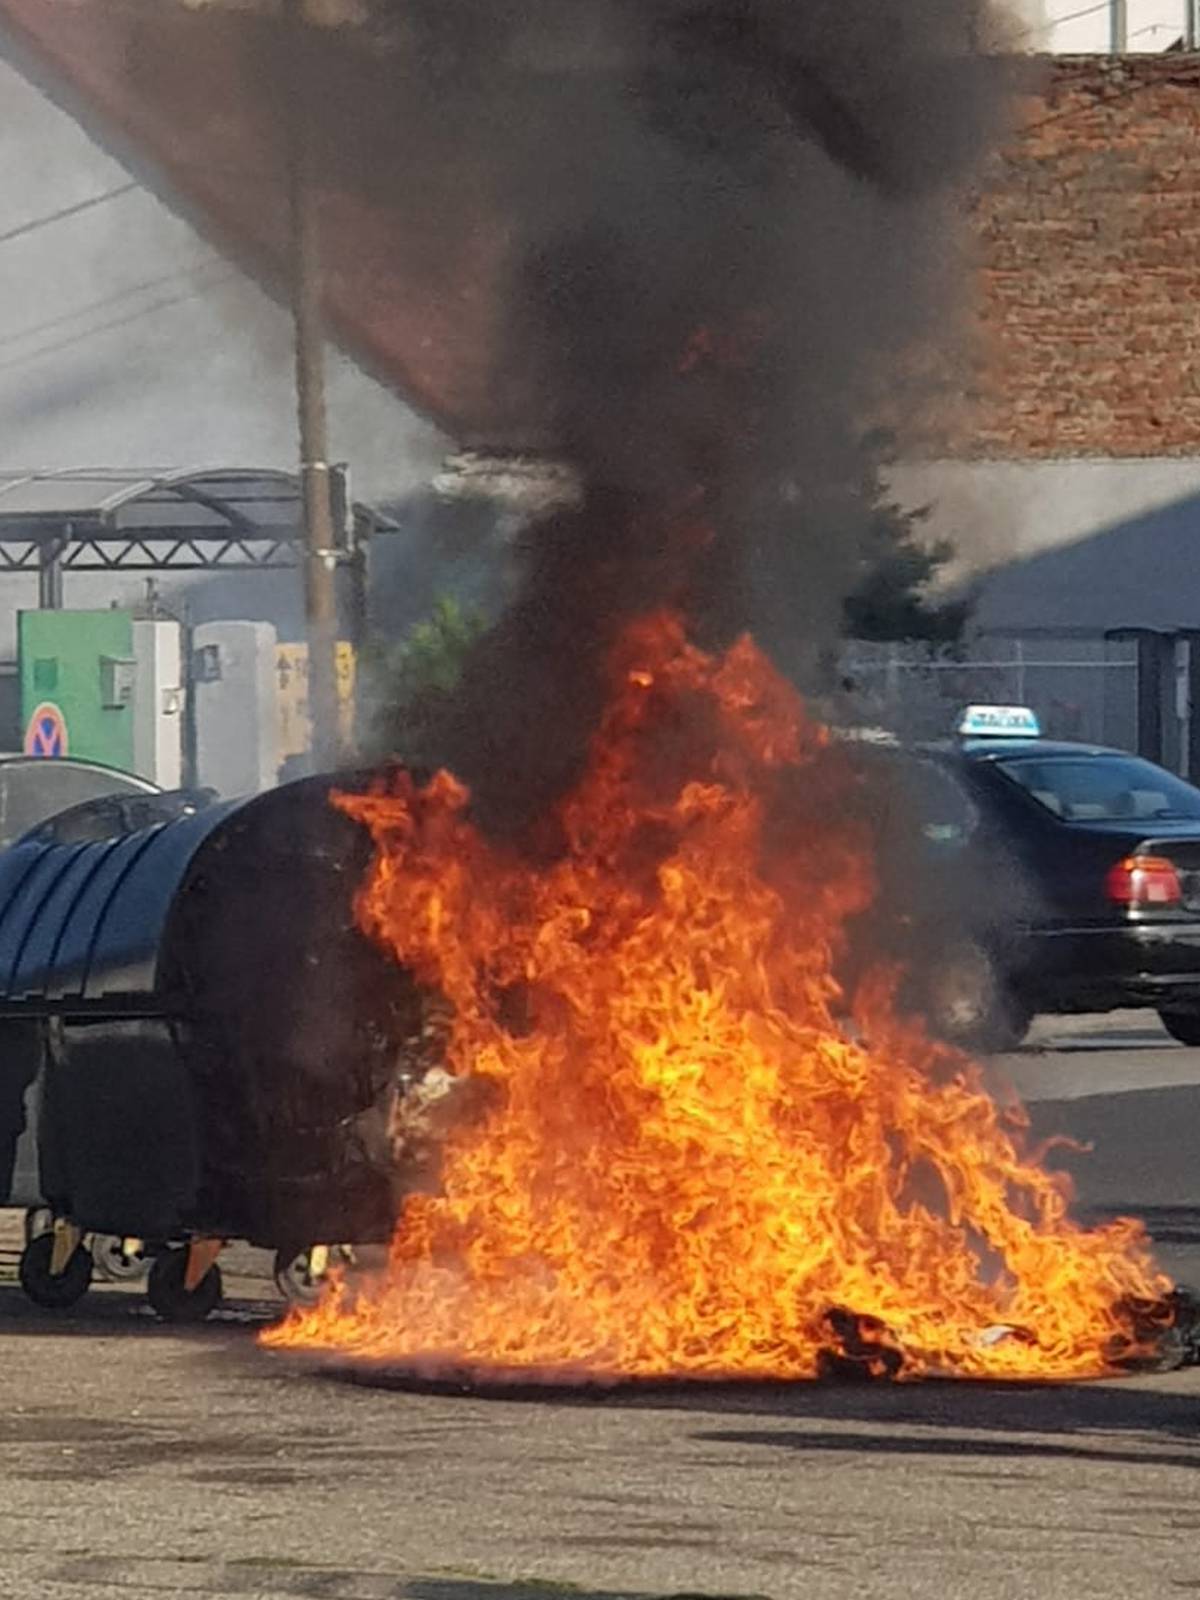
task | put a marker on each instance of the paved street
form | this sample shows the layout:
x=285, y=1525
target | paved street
x=138, y=1461
x=1123, y=1087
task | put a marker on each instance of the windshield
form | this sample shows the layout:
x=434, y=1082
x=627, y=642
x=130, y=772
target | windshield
x=1112, y=788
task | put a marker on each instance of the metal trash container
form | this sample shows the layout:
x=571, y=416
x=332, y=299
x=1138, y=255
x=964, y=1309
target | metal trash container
x=195, y=1038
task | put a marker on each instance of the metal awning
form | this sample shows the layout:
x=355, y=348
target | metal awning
x=100, y=520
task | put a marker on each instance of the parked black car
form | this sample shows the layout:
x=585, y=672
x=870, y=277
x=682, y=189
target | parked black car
x=1022, y=874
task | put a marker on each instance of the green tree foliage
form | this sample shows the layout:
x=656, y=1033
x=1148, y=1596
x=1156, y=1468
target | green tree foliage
x=408, y=677
x=431, y=655
x=894, y=596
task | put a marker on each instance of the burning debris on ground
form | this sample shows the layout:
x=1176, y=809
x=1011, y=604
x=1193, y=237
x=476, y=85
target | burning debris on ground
x=1162, y=1334
x=860, y=1350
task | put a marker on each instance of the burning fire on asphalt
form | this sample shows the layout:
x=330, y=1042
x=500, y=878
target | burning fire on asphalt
x=674, y=1159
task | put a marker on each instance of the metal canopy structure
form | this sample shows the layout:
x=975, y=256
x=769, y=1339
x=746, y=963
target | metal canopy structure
x=97, y=520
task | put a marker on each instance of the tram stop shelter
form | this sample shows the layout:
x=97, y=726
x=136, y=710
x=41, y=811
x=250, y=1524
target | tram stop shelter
x=97, y=520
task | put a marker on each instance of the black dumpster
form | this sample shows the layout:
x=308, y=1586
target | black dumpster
x=214, y=1042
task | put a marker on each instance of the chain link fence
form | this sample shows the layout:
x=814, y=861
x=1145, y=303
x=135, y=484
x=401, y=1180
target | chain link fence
x=1080, y=688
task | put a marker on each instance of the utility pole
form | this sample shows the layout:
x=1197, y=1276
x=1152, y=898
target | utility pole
x=1118, y=26
x=321, y=544
x=1191, y=32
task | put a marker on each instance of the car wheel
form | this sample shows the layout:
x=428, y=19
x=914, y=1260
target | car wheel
x=54, y=1291
x=1182, y=1025
x=169, y=1296
x=968, y=1003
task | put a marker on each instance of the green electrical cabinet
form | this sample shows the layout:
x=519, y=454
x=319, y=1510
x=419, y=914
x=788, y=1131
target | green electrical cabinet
x=77, y=678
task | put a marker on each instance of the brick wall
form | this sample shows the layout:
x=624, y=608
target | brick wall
x=1090, y=295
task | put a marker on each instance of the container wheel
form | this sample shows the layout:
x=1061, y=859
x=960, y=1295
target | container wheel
x=1182, y=1025
x=117, y=1263
x=38, y=1219
x=301, y=1274
x=54, y=1291
x=171, y=1299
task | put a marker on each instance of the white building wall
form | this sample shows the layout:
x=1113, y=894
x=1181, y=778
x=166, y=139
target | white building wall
x=995, y=512
x=1067, y=544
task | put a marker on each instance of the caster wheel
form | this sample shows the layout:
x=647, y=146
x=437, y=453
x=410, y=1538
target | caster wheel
x=298, y=1278
x=171, y=1300
x=38, y=1219
x=53, y=1291
x=114, y=1263
x=1182, y=1025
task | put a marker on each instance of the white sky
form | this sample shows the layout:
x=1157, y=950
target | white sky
x=1058, y=25
x=125, y=340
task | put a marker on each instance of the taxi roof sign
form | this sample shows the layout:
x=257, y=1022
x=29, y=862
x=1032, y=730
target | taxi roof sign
x=999, y=722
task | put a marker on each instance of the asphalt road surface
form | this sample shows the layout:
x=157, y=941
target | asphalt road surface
x=1124, y=1089
x=140, y=1461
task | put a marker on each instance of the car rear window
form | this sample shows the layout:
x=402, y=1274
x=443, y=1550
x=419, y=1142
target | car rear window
x=1104, y=788
x=31, y=791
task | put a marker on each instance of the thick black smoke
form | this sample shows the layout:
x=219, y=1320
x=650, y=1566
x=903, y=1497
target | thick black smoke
x=724, y=229
x=735, y=229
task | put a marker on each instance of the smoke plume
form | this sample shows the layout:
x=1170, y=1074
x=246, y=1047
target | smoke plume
x=710, y=237
x=734, y=230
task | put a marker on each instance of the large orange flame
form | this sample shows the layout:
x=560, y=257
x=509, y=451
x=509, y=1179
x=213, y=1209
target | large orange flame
x=687, y=1164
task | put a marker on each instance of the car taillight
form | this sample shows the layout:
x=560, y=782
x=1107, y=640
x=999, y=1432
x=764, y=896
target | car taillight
x=1143, y=881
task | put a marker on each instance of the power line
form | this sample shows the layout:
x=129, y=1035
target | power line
x=1090, y=11
x=1158, y=27
x=1072, y=16
x=66, y=211
x=93, y=306
x=114, y=322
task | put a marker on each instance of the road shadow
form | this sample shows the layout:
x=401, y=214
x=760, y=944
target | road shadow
x=1134, y=1419
x=106, y=1310
x=1136, y=1422
x=1063, y=1042
x=288, y=1576
x=488, y=1589
x=1153, y=1440
x=1165, y=1224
